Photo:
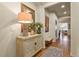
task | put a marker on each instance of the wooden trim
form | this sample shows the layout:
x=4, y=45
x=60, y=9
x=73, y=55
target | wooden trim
x=22, y=4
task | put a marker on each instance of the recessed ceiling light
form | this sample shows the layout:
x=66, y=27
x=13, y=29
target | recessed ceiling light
x=62, y=6
x=65, y=12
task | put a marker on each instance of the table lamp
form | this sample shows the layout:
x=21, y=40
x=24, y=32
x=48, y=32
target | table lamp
x=24, y=18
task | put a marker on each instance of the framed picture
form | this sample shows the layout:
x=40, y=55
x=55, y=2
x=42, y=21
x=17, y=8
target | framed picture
x=46, y=24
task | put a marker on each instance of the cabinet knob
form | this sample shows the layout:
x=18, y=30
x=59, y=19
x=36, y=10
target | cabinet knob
x=35, y=43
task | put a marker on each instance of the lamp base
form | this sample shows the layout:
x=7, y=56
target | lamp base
x=25, y=30
x=25, y=33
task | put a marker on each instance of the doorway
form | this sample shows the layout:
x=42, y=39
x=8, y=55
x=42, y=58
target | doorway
x=62, y=23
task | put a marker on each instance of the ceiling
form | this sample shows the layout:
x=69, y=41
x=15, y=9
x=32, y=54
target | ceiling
x=60, y=12
x=40, y=3
x=64, y=20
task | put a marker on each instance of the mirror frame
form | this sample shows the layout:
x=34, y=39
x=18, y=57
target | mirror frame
x=24, y=8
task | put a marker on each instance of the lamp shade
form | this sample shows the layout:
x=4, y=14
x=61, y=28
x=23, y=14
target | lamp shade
x=25, y=17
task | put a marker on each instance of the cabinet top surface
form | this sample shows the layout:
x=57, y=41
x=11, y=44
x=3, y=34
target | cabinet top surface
x=27, y=37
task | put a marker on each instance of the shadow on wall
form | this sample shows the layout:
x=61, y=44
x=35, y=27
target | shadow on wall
x=9, y=29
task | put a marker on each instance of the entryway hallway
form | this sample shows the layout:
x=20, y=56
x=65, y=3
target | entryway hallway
x=63, y=44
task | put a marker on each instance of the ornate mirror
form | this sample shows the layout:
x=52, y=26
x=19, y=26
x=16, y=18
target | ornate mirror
x=27, y=9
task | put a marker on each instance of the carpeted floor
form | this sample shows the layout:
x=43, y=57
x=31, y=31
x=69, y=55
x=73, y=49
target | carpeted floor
x=53, y=52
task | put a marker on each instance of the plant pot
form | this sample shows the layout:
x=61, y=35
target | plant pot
x=39, y=31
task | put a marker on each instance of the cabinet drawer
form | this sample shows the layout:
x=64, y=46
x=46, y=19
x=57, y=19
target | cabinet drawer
x=28, y=48
x=39, y=43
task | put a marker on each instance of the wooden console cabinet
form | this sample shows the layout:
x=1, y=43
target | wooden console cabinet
x=28, y=46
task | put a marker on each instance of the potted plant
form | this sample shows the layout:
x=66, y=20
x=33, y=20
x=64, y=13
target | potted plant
x=38, y=27
x=35, y=26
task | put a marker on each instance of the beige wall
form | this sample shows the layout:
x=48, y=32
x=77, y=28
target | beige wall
x=40, y=17
x=9, y=29
x=48, y=35
x=74, y=29
x=51, y=34
x=52, y=27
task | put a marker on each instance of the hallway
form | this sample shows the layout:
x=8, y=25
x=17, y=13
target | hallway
x=63, y=44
